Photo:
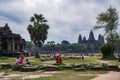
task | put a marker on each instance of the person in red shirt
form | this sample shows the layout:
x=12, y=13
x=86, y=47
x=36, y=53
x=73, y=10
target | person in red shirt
x=21, y=60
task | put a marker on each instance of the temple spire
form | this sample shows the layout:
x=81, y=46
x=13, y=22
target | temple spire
x=6, y=26
x=101, y=39
x=91, y=36
x=80, y=39
x=84, y=39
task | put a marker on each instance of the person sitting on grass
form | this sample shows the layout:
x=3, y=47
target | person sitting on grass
x=17, y=60
x=27, y=62
x=118, y=56
x=21, y=60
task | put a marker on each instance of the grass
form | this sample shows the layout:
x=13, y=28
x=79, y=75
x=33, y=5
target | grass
x=65, y=61
x=7, y=60
x=109, y=58
x=116, y=62
x=50, y=62
x=71, y=75
x=79, y=61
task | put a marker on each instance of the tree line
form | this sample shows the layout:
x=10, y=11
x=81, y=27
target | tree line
x=64, y=47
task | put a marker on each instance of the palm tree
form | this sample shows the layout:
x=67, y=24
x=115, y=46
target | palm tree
x=38, y=30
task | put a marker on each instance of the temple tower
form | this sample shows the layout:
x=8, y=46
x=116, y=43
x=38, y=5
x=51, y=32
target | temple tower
x=80, y=39
x=91, y=38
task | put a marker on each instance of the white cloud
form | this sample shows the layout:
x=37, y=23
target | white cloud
x=67, y=18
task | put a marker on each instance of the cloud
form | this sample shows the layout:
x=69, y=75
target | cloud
x=66, y=18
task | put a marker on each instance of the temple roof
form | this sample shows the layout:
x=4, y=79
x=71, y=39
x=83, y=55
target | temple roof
x=5, y=32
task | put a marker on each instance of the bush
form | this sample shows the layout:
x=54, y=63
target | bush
x=107, y=51
x=105, y=66
x=86, y=66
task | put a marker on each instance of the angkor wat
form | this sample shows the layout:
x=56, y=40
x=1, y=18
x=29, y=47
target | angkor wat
x=92, y=41
x=90, y=45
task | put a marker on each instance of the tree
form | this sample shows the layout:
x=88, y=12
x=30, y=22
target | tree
x=29, y=45
x=90, y=47
x=107, y=51
x=50, y=45
x=64, y=42
x=38, y=30
x=109, y=21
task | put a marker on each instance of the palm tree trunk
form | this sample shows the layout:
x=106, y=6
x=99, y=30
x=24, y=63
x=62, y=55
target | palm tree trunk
x=37, y=52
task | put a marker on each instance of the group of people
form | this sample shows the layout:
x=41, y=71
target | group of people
x=21, y=61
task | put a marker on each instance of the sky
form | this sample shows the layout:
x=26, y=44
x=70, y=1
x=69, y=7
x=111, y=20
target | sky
x=66, y=18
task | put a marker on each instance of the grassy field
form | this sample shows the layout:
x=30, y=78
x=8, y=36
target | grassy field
x=64, y=74
x=65, y=60
x=72, y=75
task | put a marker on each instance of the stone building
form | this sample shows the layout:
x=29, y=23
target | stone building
x=91, y=40
x=10, y=43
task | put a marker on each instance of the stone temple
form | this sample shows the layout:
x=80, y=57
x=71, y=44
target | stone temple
x=10, y=43
x=91, y=40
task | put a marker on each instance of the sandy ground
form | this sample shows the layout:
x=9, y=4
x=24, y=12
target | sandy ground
x=36, y=76
x=26, y=76
x=110, y=76
x=103, y=61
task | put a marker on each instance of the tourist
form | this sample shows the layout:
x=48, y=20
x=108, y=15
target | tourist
x=59, y=59
x=54, y=56
x=17, y=60
x=118, y=56
x=21, y=60
x=82, y=56
x=27, y=62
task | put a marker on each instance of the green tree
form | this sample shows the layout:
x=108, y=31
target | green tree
x=29, y=45
x=90, y=47
x=115, y=38
x=83, y=48
x=107, y=51
x=38, y=30
x=50, y=45
x=108, y=20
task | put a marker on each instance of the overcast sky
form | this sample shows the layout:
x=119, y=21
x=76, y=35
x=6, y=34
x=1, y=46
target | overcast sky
x=66, y=18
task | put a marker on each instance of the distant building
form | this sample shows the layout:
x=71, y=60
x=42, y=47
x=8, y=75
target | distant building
x=10, y=43
x=91, y=40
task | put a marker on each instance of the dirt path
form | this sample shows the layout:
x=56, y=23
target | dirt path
x=110, y=76
x=103, y=61
x=26, y=76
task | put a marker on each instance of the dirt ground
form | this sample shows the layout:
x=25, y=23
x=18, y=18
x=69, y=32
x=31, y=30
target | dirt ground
x=110, y=76
x=26, y=76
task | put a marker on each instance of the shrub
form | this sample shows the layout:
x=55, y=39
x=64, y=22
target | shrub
x=86, y=66
x=105, y=66
x=107, y=51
